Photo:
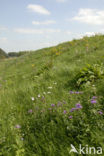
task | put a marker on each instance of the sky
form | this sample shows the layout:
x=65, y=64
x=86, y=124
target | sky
x=35, y=24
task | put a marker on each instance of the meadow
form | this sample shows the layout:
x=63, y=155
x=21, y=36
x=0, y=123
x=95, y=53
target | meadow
x=52, y=98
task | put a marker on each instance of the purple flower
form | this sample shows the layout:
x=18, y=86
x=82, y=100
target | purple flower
x=18, y=126
x=78, y=106
x=52, y=105
x=93, y=101
x=71, y=92
x=100, y=112
x=30, y=111
x=70, y=117
x=73, y=109
x=94, y=97
x=77, y=92
x=65, y=112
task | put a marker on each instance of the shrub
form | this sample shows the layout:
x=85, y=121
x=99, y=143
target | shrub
x=89, y=75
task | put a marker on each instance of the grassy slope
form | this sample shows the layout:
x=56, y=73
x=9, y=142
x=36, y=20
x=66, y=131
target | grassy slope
x=32, y=74
x=3, y=54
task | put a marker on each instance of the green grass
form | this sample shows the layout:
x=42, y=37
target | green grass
x=47, y=131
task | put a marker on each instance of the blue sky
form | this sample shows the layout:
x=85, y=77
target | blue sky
x=34, y=24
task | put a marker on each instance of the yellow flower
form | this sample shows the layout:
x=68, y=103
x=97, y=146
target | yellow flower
x=33, y=65
x=57, y=53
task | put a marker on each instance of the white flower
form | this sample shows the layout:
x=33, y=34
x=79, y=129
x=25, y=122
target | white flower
x=48, y=92
x=38, y=95
x=49, y=87
x=44, y=92
x=32, y=98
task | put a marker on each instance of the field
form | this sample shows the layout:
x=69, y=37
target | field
x=52, y=98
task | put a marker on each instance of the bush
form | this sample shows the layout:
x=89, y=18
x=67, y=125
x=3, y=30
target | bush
x=89, y=75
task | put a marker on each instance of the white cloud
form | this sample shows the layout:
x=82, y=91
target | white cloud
x=38, y=8
x=28, y=31
x=44, y=22
x=61, y=1
x=90, y=16
x=36, y=31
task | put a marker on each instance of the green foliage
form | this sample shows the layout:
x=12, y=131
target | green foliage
x=88, y=75
x=46, y=67
x=16, y=54
x=3, y=54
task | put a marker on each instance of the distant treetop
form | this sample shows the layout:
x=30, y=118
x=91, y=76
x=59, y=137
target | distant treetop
x=3, y=54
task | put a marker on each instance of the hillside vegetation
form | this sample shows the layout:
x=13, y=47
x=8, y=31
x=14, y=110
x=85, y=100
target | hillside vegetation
x=3, y=54
x=52, y=98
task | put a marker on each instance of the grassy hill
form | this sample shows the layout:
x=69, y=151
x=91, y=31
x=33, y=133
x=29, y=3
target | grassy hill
x=3, y=54
x=52, y=98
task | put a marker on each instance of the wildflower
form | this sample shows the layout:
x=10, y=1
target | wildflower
x=58, y=53
x=18, y=126
x=49, y=87
x=33, y=65
x=48, y=92
x=73, y=109
x=93, y=101
x=77, y=92
x=22, y=139
x=100, y=112
x=94, y=97
x=55, y=83
x=65, y=112
x=71, y=92
x=32, y=98
x=78, y=106
x=30, y=111
x=70, y=117
x=52, y=105
x=38, y=95
x=44, y=93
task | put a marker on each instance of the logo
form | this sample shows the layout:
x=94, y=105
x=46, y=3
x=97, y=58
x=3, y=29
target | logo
x=86, y=150
x=73, y=149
